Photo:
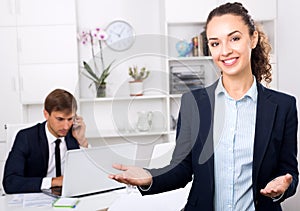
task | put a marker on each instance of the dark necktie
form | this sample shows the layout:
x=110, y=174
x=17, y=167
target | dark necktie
x=57, y=158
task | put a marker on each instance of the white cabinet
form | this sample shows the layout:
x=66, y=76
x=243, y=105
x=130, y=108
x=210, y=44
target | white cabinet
x=36, y=81
x=47, y=44
x=47, y=60
x=37, y=12
x=47, y=48
x=9, y=92
x=2, y=162
x=44, y=43
x=38, y=53
x=45, y=12
x=7, y=13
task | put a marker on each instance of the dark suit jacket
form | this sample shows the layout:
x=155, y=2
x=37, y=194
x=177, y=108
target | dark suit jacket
x=27, y=162
x=275, y=149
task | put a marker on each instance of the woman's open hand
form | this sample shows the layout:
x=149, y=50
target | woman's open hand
x=277, y=186
x=132, y=175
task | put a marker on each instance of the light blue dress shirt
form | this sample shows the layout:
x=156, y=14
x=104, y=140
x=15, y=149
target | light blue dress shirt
x=234, y=128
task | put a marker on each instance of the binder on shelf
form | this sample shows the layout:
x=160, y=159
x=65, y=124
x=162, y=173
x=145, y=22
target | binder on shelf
x=185, y=78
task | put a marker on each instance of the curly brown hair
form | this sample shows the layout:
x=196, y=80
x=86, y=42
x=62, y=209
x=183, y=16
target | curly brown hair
x=260, y=55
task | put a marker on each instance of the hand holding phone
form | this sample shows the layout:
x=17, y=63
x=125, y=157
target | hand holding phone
x=78, y=131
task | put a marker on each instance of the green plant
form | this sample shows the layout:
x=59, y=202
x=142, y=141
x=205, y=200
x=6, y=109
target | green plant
x=138, y=75
x=93, y=37
x=97, y=80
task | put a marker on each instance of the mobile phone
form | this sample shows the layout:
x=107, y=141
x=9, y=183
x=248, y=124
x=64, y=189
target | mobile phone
x=75, y=123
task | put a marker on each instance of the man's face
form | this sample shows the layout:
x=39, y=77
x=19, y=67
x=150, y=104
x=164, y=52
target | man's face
x=59, y=123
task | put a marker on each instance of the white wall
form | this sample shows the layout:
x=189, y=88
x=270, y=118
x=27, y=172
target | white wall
x=288, y=63
x=146, y=18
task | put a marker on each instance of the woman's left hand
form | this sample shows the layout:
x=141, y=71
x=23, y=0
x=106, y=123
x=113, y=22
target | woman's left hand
x=277, y=186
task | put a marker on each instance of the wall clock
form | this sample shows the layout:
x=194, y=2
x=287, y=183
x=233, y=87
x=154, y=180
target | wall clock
x=121, y=35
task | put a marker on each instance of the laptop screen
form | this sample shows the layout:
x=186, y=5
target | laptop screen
x=86, y=170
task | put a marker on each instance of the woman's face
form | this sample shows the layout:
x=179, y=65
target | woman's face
x=230, y=44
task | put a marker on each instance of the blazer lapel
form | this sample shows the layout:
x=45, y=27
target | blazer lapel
x=44, y=144
x=206, y=105
x=265, y=116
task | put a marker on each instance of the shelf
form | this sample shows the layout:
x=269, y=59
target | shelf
x=175, y=96
x=173, y=132
x=108, y=99
x=31, y=103
x=191, y=58
x=132, y=133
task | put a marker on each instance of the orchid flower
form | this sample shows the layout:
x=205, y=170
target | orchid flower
x=92, y=37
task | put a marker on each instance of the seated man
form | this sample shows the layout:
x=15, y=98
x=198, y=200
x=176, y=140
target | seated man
x=31, y=163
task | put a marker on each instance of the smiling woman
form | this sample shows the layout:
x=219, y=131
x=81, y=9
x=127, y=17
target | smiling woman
x=248, y=133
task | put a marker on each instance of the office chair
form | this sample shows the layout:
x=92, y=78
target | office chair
x=161, y=155
x=11, y=131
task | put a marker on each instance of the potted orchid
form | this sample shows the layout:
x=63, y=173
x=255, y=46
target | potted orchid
x=93, y=38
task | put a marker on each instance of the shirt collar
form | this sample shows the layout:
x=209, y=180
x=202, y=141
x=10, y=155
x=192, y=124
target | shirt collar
x=50, y=137
x=251, y=93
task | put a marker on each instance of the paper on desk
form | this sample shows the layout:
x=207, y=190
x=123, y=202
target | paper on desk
x=17, y=199
x=32, y=200
x=37, y=200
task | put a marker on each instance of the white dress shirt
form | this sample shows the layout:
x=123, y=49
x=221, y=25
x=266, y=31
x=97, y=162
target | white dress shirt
x=46, y=184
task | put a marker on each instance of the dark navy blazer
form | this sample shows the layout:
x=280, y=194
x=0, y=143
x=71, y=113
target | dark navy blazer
x=27, y=162
x=275, y=149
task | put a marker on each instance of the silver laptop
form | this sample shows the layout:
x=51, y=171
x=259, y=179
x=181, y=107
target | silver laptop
x=86, y=170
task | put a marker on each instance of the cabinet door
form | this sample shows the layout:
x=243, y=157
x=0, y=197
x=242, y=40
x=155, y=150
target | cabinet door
x=37, y=81
x=47, y=44
x=189, y=10
x=45, y=12
x=9, y=78
x=2, y=163
x=7, y=13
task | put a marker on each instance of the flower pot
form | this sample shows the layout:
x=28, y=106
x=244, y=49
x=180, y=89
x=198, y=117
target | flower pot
x=136, y=88
x=101, y=90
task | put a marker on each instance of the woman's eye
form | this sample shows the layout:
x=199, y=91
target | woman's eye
x=235, y=39
x=214, y=44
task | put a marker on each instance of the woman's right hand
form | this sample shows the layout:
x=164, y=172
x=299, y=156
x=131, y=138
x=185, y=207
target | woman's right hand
x=132, y=175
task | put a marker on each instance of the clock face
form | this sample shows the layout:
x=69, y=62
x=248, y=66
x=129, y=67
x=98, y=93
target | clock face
x=121, y=35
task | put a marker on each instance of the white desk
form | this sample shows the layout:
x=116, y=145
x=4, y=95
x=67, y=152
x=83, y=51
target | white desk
x=118, y=200
x=88, y=203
